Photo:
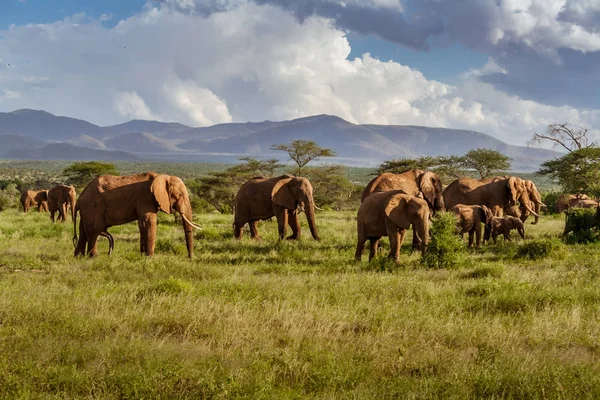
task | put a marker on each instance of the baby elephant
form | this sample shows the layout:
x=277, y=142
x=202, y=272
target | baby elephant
x=391, y=214
x=504, y=226
x=470, y=219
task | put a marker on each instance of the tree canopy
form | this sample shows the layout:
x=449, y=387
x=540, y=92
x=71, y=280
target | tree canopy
x=81, y=173
x=303, y=152
x=577, y=171
x=483, y=161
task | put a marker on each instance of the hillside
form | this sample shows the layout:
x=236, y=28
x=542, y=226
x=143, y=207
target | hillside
x=65, y=151
x=24, y=131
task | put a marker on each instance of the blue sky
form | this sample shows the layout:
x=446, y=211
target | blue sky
x=503, y=68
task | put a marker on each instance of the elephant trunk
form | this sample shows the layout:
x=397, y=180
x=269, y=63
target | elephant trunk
x=538, y=209
x=185, y=209
x=74, y=226
x=521, y=232
x=310, y=218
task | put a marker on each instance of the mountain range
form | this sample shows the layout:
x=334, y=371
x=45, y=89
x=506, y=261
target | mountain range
x=33, y=134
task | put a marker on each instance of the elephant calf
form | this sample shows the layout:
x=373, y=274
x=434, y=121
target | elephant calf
x=391, y=214
x=504, y=226
x=469, y=220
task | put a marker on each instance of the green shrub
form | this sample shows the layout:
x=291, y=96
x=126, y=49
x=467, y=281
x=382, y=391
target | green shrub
x=579, y=225
x=9, y=197
x=445, y=247
x=550, y=199
x=538, y=249
x=166, y=246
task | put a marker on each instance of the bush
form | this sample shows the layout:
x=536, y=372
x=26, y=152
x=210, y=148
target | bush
x=445, y=246
x=538, y=249
x=579, y=225
x=9, y=197
x=550, y=199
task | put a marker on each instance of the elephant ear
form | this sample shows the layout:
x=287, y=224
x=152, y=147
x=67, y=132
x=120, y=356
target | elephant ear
x=427, y=185
x=511, y=183
x=160, y=190
x=282, y=194
x=398, y=211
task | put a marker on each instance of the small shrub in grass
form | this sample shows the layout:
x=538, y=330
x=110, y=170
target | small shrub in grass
x=167, y=287
x=445, y=248
x=381, y=264
x=579, y=226
x=208, y=233
x=538, y=249
x=485, y=271
x=166, y=246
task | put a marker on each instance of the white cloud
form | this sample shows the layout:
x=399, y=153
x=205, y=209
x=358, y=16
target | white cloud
x=247, y=63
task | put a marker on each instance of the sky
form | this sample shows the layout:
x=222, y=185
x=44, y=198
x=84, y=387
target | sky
x=503, y=67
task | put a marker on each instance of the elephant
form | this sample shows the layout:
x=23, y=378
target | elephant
x=469, y=220
x=425, y=184
x=37, y=198
x=391, y=213
x=284, y=196
x=587, y=203
x=566, y=201
x=115, y=200
x=495, y=193
x=535, y=203
x=504, y=226
x=414, y=182
x=59, y=198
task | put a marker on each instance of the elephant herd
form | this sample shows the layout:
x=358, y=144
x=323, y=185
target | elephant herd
x=390, y=204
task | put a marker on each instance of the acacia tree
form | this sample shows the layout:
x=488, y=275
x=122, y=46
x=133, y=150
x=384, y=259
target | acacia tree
x=303, y=152
x=81, y=173
x=565, y=135
x=577, y=171
x=485, y=161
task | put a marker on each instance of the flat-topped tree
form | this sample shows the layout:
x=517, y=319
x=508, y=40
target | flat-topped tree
x=303, y=152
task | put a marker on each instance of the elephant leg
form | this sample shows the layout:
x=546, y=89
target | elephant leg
x=39, y=206
x=151, y=234
x=238, y=229
x=360, y=245
x=373, y=245
x=478, y=234
x=294, y=224
x=507, y=236
x=282, y=221
x=471, y=234
x=52, y=215
x=142, y=225
x=61, y=213
x=45, y=206
x=82, y=241
x=92, y=241
x=254, y=230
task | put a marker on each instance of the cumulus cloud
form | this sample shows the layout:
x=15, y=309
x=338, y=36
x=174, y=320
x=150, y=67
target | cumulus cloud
x=250, y=62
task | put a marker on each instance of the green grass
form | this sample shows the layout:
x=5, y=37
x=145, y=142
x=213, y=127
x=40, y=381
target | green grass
x=281, y=320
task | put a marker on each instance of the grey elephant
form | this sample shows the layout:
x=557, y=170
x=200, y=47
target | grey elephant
x=469, y=220
x=32, y=198
x=115, y=200
x=60, y=197
x=282, y=197
x=390, y=214
x=503, y=226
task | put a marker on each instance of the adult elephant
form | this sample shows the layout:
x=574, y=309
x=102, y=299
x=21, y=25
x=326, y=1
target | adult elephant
x=262, y=198
x=495, y=193
x=391, y=213
x=115, y=200
x=32, y=198
x=585, y=203
x=567, y=201
x=535, y=202
x=414, y=182
x=60, y=197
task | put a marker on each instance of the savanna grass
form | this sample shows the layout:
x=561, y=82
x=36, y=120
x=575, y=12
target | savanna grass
x=283, y=319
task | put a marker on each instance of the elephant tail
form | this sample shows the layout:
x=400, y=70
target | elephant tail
x=75, y=226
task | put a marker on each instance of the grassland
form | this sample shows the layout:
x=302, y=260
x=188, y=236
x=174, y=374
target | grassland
x=283, y=320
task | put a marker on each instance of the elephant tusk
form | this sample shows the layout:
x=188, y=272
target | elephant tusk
x=317, y=208
x=533, y=212
x=191, y=223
